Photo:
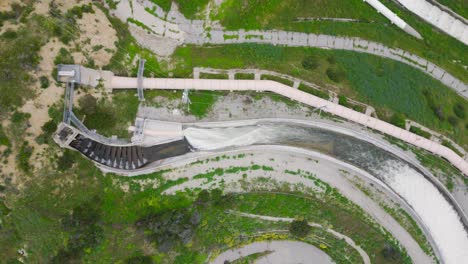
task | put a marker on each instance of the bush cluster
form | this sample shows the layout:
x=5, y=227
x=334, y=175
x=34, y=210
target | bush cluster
x=335, y=74
x=299, y=228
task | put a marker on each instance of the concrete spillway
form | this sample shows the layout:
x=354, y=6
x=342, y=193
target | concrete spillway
x=119, y=157
x=300, y=96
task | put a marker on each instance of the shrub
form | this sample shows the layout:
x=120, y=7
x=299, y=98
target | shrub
x=84, y=230
x=23, y=157
x=19, y=117
x=65, y=161
x=299, y=228
x=3, y=138
x=97, y=47
x=64, y=57
x=459, y=110
x=342, y=100
x=170, y=228
x=335, y=74
x=10, y=34
x=140, y=260
x=44, y=82
x=391, y=253
x=310, y=62
x=398, y=120
x=452, y=120
x=88, y=104
x=49, y=127
x=47, y=130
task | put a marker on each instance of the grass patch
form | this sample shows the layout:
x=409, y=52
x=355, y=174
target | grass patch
x=449, y=145
x=244, y=76
x=419, y=131
x=204, y=75
x=316, y=92
x=277, y=79
x=140, y=24
x=202, y=102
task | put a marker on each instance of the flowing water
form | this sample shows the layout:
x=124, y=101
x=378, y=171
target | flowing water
x=435, y=211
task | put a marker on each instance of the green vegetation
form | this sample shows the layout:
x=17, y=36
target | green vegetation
x=277, y=79
x=244, y=76
x=64, y=26
x=436, y=46
x=204, y=75
x=202, y=101
x=123, y=61
x=18, y=11
x=316, y=92
x=419, y=131
x=4, y=141
x=64, y=57
x=408, y=223
x=342, y=100
x=16, y=63
x=327, y=212
x=449, y=145
x=299, y=228
x=109, y=117
x=61, y=223
x=140, y=24
x=310, y=62
x=458, y=6
x=189, y=8
x=44, y=81
x=335, y=74
x=23, y=157
x=47, y=130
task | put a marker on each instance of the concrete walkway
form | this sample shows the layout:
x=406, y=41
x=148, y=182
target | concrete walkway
x=300, y=96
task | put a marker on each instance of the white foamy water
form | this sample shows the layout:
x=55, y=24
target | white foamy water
x=219, y=138
x=440, y=218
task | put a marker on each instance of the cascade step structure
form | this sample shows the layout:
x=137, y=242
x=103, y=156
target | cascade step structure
x=118, y=158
